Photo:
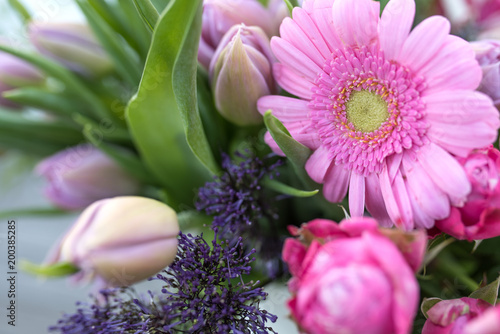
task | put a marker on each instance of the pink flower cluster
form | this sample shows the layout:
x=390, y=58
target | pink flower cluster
x=479, y=217
x=462, y=316
x=342, y=271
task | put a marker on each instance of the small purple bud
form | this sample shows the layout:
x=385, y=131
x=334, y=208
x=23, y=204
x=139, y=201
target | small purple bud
x=121, y=241
x=220, y=15
x=71, y=44
x=81, y=175
x=241, y=73
x=488, y=57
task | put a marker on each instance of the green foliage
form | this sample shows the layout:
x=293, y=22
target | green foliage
x=163, y=116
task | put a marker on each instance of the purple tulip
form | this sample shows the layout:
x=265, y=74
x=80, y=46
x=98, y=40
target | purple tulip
x=82, y=175
x=16, y=73
x=220, y=15
x=120, y=241
x=488, y=56
x=241, y=73
x=71, y=44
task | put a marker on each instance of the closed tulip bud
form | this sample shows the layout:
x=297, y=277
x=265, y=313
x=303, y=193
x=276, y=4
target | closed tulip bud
x=220, y=15
x=241, y=72
x=120, y=241
x=73, y=45
x=16, y=73
x=81, y=175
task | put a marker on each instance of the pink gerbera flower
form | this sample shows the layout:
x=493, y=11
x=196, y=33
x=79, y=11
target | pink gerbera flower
x=383, y=109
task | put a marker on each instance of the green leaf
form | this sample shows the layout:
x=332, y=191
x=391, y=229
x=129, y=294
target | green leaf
x=147, y=11
x=296, y=153
x=288, y=190
x=71, y=81
x=42, y=99
x=125, y=158
x=20, y=10
x=163, y=118
x=52, y=131
x=434, y=251
x=427, y=304
x=116, y=18
x=160, y=4
x=488, y=293
x=55, y=270
x=37, y=212
x=129, y=69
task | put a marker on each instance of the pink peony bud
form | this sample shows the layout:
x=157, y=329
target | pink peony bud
x=71, y=44
x=220, y=15
x=241, y=72
x=462, y=316
x=488, y=56
x=352, y=270
x=81, y=175
x=479, y=218
x=120, y=241
x=16, y=73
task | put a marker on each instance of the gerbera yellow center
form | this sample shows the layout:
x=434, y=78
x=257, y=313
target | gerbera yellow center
x=366, y=110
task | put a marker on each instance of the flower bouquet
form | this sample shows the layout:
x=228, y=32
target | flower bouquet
x=344, y=148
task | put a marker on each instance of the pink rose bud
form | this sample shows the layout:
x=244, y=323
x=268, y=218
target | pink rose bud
x=220, y=15
x=120, y=241
x=487, y=323
x=81, y=175
x=479, y=218
x=488, y=56
x=347, y=275
x=71, y=44
x=16, y=73
x=454, y=316
x=241, y=72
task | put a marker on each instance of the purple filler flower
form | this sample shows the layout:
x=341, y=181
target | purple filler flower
x=201, y=296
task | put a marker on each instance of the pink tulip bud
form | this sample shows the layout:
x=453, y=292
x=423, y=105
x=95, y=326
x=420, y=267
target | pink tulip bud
x=462, y=316
x=241, y=72
x=220, y=15
x=121, y=241
x=81, y=175
x=73, y=45
x=16, y=73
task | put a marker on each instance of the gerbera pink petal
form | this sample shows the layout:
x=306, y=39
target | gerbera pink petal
x=356, y=21
x=318, y=164
x=321, y=14
x=395, y=25
x=375, y=202
x=286, y=109
x=311, y=29
x=336, y=183
x=461, y=138
x=304, y=134
x=426, y=197
x=292, y=82
x=396, y=200
x=454, y=106
x=424, y=42
x=357, y=195
x=445, y=172
x=291, y=32
x=453, y=67
x=298, y=60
